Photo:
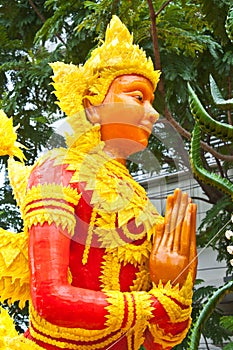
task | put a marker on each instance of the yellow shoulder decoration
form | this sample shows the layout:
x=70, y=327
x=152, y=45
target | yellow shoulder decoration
x=9, y=338
x=14, y=272
x=8, y=144
x=18, y=172
x=18, y=175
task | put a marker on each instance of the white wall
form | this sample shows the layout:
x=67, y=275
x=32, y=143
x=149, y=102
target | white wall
x=209, y=269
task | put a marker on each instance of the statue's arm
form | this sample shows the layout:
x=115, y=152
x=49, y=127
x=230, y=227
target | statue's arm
x=53, y=297
x=61, y=304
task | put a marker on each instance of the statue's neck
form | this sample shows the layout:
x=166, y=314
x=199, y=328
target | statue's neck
x=115, y=153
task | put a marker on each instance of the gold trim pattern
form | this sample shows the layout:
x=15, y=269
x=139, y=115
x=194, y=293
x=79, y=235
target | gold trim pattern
x=115, y=258
x=50, y=203
x=51, y=191
x=144, y=312
x=14, y=272
x=166, y=296
x=165, y=340
x=110, y=272
x=131, y=312
x=47, y=331
x=89, y=236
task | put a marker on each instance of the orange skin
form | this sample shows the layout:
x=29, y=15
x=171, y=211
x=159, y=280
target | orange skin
x=126, y=116
x=174, y=253
x=126, y=131
x=52, y=251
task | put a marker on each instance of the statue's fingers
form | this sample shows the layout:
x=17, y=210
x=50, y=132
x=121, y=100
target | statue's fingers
x=158, y=237
x=176, y=207
x=167, y=219
x=185, y=237
x=173, y=221
x=180, y=217
x=193, y=249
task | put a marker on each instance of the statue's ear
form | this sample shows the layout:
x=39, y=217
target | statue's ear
x=91, y=112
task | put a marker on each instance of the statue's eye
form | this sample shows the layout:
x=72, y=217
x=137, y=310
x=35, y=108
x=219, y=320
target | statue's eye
x=139, y=97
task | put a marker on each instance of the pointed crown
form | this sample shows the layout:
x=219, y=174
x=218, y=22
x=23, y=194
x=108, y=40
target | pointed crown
x=115, y=57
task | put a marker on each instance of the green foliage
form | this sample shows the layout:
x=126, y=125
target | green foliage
x=204, y=120
x=229, y=23
x=194, y=41
x=20, y=316
x=227, y=323
x=228, y=346
x=220, y=214
x=207, y=314
x=211, y=329
x=217, y=96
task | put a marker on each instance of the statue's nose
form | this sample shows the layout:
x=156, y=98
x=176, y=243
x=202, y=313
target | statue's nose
x=151, y=114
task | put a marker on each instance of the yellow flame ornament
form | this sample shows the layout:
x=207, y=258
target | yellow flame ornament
x=8, y=136
x=115, y=57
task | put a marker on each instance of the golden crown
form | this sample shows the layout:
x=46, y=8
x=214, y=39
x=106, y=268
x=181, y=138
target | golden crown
x=115, y=57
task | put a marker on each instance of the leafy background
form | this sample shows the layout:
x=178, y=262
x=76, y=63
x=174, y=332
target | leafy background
x=189, y=40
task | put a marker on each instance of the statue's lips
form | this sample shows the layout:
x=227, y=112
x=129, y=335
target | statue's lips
x=147, y=126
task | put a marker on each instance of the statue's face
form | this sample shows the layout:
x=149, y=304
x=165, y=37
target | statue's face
x=126, y=114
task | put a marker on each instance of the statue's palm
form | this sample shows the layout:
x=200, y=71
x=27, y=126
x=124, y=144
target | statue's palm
x=174, y=249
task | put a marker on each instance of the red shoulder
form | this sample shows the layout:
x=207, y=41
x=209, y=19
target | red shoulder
x=50, y=169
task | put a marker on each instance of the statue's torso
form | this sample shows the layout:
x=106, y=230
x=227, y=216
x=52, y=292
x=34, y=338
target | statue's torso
x=111, y=241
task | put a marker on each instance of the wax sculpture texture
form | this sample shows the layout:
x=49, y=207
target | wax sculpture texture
x=83, y=258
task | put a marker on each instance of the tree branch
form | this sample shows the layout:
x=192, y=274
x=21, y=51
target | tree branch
x=183, y=132
x=43, y=19
x=186, y=134
x=229, y=96
x=155, y=45
x=163, y=7
x=37, y=11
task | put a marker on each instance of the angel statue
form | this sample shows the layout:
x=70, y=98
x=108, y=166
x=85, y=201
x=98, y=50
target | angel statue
x=101, y=268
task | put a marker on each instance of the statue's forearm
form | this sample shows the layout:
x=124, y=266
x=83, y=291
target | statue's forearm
x=59, y=303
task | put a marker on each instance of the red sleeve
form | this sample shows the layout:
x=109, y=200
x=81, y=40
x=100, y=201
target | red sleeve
x=53, y=297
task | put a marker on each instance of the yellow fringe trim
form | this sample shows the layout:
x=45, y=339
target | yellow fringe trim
x=21, y=343
x=142, y=280
x=58, y=216
x=130, y=305
x=115, y=258
x=116, y=310
x=110, y=272
x=18, y=175
x=144, y=312
x=9, y=338
x=167, y=340
x=77, y=334
x=8, y=136
x=183, y=296
x=51, y=191
x=14, y=272
x=48, y=195
x=133, y=254
x=89, y=236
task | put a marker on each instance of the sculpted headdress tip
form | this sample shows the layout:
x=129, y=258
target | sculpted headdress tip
x=115, y=57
